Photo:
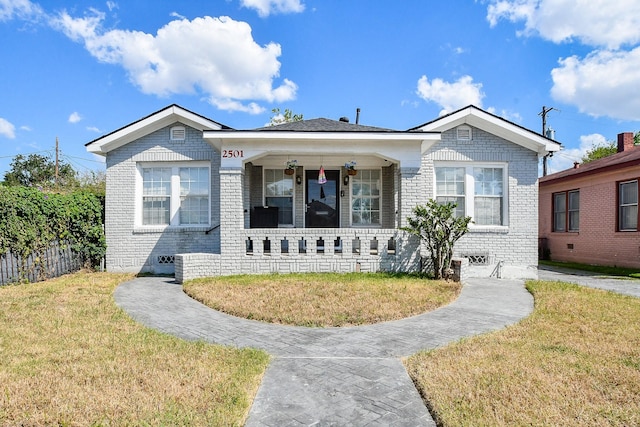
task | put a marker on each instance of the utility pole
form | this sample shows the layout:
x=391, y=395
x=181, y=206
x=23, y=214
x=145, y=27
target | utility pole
x=57, y=150
x=544, y=113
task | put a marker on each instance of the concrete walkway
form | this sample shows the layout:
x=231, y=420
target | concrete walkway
x=332, y=376
x=619, y=285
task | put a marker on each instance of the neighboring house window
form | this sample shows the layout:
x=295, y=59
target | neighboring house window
x=628, y=206
x=279, y=192
x=178, y=133
x=175, y=195
x=566, y=210
x=365, y=197
x=450, y=187
x=478, y=192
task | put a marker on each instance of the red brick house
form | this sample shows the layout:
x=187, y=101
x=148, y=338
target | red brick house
x=589, y=214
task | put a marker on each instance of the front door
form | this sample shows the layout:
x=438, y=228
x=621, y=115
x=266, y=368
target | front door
x=322, y=209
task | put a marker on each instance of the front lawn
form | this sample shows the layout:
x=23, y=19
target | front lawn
x=574, y=362
x=327, y=299
x=70, y=357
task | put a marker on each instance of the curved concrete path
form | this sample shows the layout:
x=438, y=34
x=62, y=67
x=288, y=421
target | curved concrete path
x=332, y=376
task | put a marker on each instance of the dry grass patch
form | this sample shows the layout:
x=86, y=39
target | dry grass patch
x=70, y=357
x=327, y=299
x=575, y=361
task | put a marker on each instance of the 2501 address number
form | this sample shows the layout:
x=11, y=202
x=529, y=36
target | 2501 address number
x=232, y=154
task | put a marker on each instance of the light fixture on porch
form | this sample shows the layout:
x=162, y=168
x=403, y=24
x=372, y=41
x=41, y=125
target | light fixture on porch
x=298, y=179
x=345, y=180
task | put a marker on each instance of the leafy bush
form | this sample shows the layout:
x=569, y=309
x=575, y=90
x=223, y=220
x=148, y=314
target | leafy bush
x=30, y=221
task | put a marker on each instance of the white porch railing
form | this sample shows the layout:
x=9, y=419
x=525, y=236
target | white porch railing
x=343, y=242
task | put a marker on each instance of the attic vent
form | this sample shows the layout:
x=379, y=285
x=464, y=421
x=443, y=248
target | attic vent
x=178, y=133
x=344, y=119
x=464, y=133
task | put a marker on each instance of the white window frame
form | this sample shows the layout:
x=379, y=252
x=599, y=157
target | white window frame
x=380, y=198
x=293, y=194
x=175, y=198
x=469, y=189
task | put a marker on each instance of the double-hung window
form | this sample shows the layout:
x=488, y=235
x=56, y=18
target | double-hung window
x=279, y=193
x=175, y=194
x=488, y=200
x=450, y=187
x=566, y=211
x=365, y=197
x=477, y=190
x=628, y=205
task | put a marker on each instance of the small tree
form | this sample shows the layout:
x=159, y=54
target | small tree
x=437, y=226
x=599, y=151
x=287, y=117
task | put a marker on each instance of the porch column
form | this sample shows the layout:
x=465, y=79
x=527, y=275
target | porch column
x=232, y=244
x=412, y=193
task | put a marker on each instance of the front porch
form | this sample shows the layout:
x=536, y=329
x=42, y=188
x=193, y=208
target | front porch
x=278, y=250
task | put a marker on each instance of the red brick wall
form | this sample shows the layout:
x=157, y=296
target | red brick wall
x=597, y=241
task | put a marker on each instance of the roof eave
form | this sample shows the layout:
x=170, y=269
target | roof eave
x=150, y=124
x=480, y=119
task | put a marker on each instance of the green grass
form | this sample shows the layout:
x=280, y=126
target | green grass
x=599, y=269
x=69, y=356
x=574, y=362
x=323, y=299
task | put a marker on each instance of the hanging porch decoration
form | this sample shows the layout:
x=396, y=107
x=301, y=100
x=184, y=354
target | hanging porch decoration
x=351, y=168
x=322, y=178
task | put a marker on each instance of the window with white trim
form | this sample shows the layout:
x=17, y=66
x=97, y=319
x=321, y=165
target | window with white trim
x=365, y=197
x=488, y=201
x=628, y=206
x=278, y=190
x=176, y=194
x=478, y=191
x=450, y=183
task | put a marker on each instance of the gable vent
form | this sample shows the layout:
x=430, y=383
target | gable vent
x=178, y=133
x=464, y=133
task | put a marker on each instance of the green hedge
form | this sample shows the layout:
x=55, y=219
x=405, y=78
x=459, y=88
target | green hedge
x=31, y=220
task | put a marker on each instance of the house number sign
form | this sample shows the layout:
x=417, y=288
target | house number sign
x=232, y=154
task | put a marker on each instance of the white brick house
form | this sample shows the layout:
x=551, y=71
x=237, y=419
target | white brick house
x=188, y=195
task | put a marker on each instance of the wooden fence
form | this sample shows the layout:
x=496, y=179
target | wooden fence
x=59, y=259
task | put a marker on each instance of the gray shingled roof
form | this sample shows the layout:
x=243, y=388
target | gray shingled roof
x=323, y=125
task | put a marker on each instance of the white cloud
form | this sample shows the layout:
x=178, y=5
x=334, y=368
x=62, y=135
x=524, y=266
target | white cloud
x=93, y=129
x=213, y=56
x=20, y=9
x=74, y=117
x=605, y=83
x=564, y=159
x=267, y=7
x=596, y=23
x=451, y=96
x=7, y=129
x=512, y=116
x=112, y=5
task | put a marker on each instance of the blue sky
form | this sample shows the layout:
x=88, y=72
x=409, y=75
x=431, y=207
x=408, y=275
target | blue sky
x=78, y=70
